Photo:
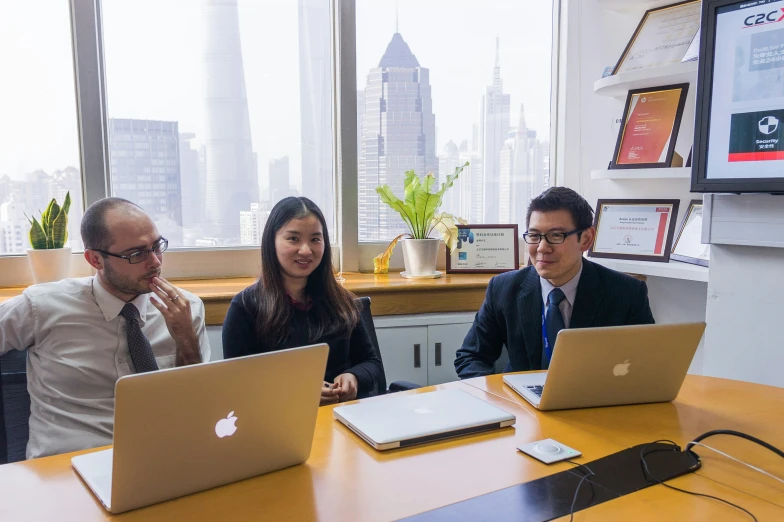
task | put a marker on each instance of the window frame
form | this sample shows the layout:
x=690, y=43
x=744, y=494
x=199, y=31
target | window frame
x=349, y=254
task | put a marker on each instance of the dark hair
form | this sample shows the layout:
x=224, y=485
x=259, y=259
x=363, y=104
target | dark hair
x=562, y=198
x=94, y=233
x=333, y=311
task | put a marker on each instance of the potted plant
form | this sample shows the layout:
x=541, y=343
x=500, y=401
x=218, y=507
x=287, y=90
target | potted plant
x=419, y=210
x=49, y=257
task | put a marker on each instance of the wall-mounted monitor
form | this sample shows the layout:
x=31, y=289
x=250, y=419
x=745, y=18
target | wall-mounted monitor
x=739, y=121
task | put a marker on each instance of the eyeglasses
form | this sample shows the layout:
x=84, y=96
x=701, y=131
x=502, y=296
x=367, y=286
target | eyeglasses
x=554, y=238
x=140, y=256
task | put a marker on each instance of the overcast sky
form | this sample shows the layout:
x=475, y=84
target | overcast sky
x=153, y=64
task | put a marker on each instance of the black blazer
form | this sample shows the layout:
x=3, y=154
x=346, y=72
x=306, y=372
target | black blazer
x=511, y=315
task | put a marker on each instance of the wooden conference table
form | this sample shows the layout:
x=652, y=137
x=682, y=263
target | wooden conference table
x=346, y=480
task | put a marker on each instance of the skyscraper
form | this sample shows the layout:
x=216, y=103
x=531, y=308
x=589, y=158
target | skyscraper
x=192, y=182
x=506, y=167
x=521, y=179
x=232, y=173
x=279, y=182
x=145, y=163
x=495, y=129
x=315, y=80
x=252, y=224
x=398, y=134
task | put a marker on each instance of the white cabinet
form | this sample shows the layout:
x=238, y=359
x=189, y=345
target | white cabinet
x=404, y=353
x=421, y=348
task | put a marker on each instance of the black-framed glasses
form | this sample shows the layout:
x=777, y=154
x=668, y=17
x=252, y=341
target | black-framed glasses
x=554, y=238
x=140, y=256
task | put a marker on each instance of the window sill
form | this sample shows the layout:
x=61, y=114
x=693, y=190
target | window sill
x=391, y=294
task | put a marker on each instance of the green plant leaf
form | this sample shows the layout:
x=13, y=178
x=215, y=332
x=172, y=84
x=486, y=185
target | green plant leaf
x=447, y=225
x=386, y=195
x=67, y=202
x=59, y=231
x=426, y=205
x=37, y=236
x=381, y=261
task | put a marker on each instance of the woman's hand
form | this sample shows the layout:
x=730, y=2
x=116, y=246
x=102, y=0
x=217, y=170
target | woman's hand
x=329, y=394
x=346, y=386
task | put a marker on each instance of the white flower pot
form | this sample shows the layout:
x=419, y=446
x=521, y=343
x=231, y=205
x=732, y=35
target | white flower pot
x=49, y=265
x=420, y=256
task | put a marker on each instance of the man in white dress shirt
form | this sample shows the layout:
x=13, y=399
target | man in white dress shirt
x=81, y=335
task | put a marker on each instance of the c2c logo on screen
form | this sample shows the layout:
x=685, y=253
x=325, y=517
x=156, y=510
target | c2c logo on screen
x=764, y=18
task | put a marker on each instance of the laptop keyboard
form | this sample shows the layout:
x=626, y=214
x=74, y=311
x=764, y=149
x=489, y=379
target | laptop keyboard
x=536, y=390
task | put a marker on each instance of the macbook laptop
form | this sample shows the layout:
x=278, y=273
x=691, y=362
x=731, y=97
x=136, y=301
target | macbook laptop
x=187, y=429
x=612, y=366
x=406, y=419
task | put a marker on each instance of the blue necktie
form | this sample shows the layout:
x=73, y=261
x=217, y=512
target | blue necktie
x=554, y=322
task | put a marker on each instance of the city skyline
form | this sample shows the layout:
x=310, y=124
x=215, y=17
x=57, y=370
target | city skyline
x=213, y=98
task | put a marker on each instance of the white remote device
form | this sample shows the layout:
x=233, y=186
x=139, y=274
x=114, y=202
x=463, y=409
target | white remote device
x=549, y=451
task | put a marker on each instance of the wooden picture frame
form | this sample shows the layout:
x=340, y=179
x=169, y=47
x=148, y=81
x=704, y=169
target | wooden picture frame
x=695, y=206
x=639, y=129
x=469, y=260
x=630, y=228
x=654, y=24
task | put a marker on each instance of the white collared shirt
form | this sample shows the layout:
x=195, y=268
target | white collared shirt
x=570, y=291
x=77, y=349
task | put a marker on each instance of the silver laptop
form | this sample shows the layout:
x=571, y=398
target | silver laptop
x=187, y=429
x=407, y=419
x=612, y=366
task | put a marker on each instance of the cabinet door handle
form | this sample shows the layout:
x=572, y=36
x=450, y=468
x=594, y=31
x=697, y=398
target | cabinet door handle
x=417, y=356
x=438, y=354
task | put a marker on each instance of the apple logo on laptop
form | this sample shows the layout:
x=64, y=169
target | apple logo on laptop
x=225, y=427
x=423, y=410
x=621, y=368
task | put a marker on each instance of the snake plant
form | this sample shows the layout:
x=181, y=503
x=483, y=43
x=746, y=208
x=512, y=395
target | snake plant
x=52, y=230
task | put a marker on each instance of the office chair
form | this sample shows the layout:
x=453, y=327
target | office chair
x=367, y=320
x=14, y=407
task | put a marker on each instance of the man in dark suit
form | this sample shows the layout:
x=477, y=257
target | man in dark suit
x=524, y=310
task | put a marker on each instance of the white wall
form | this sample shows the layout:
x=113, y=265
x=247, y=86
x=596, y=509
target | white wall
x=588, y=128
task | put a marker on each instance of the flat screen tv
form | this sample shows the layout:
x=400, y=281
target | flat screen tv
x=739, y=122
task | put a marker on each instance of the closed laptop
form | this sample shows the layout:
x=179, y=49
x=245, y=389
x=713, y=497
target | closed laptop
x=407, y=419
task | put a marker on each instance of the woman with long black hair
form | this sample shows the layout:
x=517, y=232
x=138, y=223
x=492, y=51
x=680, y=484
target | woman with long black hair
x=297, y=302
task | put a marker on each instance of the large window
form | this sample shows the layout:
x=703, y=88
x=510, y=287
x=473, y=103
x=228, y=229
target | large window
x=39, y=142
x=441, y=84
x=217, y=110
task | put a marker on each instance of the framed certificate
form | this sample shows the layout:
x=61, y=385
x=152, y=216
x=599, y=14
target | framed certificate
x=662, y=37
x=484, y=249
x=688, y=245
x=651, y=119
x=639, y=229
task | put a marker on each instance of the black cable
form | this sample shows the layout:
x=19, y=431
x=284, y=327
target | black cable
x=585, y=477
x=735, y=434
x=678, y=448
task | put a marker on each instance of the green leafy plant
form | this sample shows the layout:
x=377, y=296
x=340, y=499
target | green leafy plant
x=419, y=210
x=52, y=230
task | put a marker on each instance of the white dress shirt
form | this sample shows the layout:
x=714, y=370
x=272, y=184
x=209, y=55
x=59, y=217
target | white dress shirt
x=570, y=291
x=77, y=349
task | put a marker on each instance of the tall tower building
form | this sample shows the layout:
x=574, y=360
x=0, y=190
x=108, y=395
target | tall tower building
x=506, y=167
x=521, y=179
x=315, y=84
x=145, y=163
x=279, y=180
x=495, y=128
x=398, y=134
x=232, y=175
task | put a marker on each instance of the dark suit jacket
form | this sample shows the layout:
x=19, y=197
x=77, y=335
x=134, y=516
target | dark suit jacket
x=512, y=315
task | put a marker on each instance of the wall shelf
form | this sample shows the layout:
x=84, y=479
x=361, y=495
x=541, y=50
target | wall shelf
x=672, y=270
x=633, y=6
x=618, y=85
x=663, y=173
